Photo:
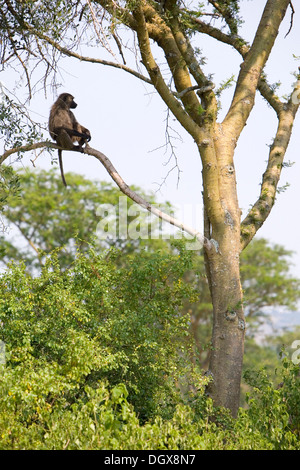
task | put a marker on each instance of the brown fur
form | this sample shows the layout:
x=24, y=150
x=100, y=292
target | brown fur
x=65, y=129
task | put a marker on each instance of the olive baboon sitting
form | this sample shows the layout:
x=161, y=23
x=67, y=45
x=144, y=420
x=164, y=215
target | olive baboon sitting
x=65, y=129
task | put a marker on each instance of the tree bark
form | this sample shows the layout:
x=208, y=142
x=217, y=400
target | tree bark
x=222, y=224
x=226, y=357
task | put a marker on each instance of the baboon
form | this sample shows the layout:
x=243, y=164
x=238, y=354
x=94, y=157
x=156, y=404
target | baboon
x=65, y=129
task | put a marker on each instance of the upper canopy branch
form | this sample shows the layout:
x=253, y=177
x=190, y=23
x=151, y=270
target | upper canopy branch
x=251, y=69
x=40, y=34
x=242, y=48
x=205, y=90
x=158, y=29
x=157, y=79
x=262, y=207
x=226, y=11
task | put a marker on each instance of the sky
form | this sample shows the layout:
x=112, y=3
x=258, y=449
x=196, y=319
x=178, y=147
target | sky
x=127, y=121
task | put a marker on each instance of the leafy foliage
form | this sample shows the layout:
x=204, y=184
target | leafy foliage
x=280, y=421
x=95, y=360
x=98, y=321
x=9, y=186
x=16, y=127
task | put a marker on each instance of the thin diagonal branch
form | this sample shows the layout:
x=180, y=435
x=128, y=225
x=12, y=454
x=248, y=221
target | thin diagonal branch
x=255, y=60
x=208, y=244
x=142, y=202
x=157, y=79
x=292, y=19
x=263, y=206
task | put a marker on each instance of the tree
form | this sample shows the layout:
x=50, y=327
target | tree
x=43, y=32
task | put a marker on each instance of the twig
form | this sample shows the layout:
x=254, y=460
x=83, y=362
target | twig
x=201, y=90
x=36, y=157
x=21, y=62
x=292, y=18
x=97, y=25
x=118, y=42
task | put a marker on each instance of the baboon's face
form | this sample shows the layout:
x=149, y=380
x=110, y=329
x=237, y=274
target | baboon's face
x=73, y=104
x=68, y=100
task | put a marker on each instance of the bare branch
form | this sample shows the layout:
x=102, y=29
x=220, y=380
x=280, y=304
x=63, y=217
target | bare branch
x=119, y=45
x=26, y=148
x=255, y=60
x=93, y=60
x=263, y=206
x=208, y=244
x=99, y=30
x=157, y=79
x=142, y=202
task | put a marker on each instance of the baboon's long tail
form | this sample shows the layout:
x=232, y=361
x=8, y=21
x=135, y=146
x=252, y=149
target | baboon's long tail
x=61, y=167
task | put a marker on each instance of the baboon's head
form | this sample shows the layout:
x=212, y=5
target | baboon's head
x=66, y=100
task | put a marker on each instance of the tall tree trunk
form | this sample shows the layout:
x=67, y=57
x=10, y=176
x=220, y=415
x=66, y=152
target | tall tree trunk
x=223, y=272
x=226, y=358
